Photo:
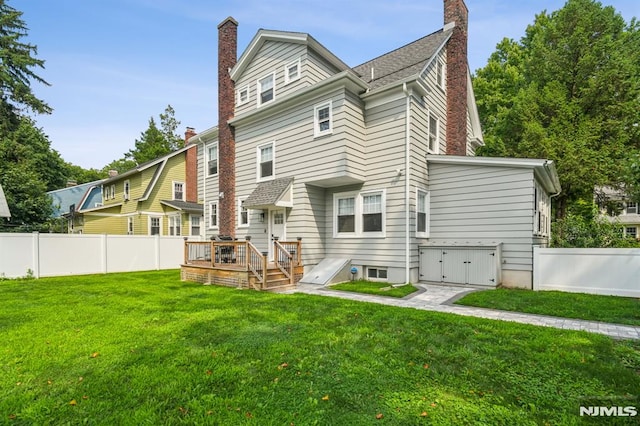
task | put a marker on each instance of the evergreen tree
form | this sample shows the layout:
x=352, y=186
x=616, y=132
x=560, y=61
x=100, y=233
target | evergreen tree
x=17, y=60
x=155, y=142
x=152, y=144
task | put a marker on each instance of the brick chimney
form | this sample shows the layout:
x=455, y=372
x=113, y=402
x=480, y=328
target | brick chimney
x=191, y=167
x=456, y=12
x=227, y=58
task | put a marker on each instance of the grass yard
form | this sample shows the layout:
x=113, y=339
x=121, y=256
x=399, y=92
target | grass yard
x=145, y=348
x=613, y=309
x=377, y=288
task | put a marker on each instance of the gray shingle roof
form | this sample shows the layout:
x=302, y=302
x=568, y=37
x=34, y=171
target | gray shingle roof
x=403, y=62
x=268, y=193
x=183, y=205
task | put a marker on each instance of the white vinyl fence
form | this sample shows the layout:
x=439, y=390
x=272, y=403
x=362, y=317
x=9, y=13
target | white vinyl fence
x=48, y=255
x=598, y=271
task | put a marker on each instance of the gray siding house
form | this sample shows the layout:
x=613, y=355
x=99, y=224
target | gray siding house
x=370, y=165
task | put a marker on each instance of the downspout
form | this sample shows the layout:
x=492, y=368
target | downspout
x=204, y=190
x=407, y=170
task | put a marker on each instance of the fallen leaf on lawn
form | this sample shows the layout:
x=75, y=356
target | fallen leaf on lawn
x=379, y=416
x=85, y=397
x=325, y=398
x=425, y=366
x=49, y=382
x=423, y=414
x=12, y=416
x=248, y=415
x=80, y=378
x=73, y=402
x=433, y=404
x=209, y=372
x=283, y=365
x=95, y=355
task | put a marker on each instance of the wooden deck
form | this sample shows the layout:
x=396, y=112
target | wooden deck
x=239, y=264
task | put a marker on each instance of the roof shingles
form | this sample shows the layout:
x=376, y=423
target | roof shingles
x=401, y=63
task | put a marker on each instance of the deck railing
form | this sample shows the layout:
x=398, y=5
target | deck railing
x=215, y=253
x=244, y=255
x=286, y=255
x=257, y=264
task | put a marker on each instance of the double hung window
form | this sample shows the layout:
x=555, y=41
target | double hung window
x=266, y=89
x=359, y=214
x=266, y=157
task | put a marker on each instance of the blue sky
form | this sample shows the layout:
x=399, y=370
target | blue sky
x=113, y=64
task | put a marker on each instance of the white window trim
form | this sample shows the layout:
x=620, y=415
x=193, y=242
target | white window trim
x=112, y=191
x=175, y=219
x=436, y=149
x=211, y=225
x=259, y=89
x=427, y=194
x=126, y=190
x=239, y=209
x=239, y=100
x=207, y=159
x=191, y=216
x=287, y=78
x=339, y=196
x=541, y=211
x=442, y=85
x=149, y=224
x=316, y=121
x=368, y=278
x=358, y=208
x=173, y=190
x=273, y=162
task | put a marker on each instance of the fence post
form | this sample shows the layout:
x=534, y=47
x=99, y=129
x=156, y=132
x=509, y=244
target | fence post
x=536, y=268
x=36, y=254
x=104, y=248
x=157, y=244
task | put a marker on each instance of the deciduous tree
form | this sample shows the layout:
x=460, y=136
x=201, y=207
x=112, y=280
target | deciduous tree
x=568, y=91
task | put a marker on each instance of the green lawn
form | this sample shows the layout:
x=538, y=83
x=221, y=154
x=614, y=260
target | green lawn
x=619, y=310
x=145, y=348
x=377, y=288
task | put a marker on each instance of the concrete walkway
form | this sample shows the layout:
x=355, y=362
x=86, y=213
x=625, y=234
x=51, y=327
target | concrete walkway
x=440, y=299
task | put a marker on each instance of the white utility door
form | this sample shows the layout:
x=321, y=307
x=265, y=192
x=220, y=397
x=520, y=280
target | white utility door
x=277, y=228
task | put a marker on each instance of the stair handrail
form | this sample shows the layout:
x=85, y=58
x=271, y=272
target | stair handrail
x=257, y=263
x=283, y=260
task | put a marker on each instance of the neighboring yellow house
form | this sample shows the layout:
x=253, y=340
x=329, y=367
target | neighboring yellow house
x=156, y=198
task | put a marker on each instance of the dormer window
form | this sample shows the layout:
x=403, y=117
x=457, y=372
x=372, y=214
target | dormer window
x=292, y=71
x=266, y=89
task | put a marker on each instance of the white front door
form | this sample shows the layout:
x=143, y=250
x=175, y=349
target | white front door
x=277, y=227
